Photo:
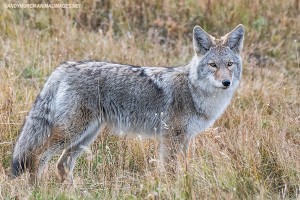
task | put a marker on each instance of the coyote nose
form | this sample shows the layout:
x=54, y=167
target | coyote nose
x=226, y=82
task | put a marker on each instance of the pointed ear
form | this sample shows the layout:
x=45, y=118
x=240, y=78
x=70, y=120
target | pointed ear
x=234, y=39
x=202, y=41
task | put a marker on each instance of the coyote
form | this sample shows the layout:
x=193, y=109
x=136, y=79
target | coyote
x=172, y=103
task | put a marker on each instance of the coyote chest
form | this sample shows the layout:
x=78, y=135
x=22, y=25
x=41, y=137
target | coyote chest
x=208, y=110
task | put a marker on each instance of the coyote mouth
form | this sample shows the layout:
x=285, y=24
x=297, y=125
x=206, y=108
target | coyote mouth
x=225, y=87
x=222, y=87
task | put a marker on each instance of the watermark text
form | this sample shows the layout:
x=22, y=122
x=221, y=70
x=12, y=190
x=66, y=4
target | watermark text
x=41, y=5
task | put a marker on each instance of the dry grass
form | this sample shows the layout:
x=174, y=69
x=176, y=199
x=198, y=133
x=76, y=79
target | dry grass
x=251, y=152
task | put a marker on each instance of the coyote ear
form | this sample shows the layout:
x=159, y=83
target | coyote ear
x=202, y=41
x=234, y=39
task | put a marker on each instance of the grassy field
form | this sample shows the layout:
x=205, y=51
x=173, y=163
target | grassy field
x=251, y=152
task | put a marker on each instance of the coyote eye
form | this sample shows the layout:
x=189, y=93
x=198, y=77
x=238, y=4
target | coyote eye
x=213, y=64
x=230, y=63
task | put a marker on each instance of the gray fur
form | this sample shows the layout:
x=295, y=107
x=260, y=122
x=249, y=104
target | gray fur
x=172, y=103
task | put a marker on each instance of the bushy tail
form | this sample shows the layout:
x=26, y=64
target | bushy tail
x=35, y=131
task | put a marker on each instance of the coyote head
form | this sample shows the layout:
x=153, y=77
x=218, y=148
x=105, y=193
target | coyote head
x=217, y=62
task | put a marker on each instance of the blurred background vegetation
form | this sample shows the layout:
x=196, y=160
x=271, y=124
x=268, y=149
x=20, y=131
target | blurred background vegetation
x=164, y=21
x=252, y=152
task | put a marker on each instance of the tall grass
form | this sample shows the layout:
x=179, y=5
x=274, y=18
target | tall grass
x=251, y=152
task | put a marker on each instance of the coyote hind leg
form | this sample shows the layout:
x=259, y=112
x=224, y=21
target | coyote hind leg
x=46, y=156
x=67, y=160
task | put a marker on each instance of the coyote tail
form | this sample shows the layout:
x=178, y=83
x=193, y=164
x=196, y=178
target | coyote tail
x=35, y=131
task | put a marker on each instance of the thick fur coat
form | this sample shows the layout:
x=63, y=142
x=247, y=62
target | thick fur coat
x=172, y=103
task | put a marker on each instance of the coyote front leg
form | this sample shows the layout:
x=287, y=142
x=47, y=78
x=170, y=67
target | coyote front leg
x=171, y=147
